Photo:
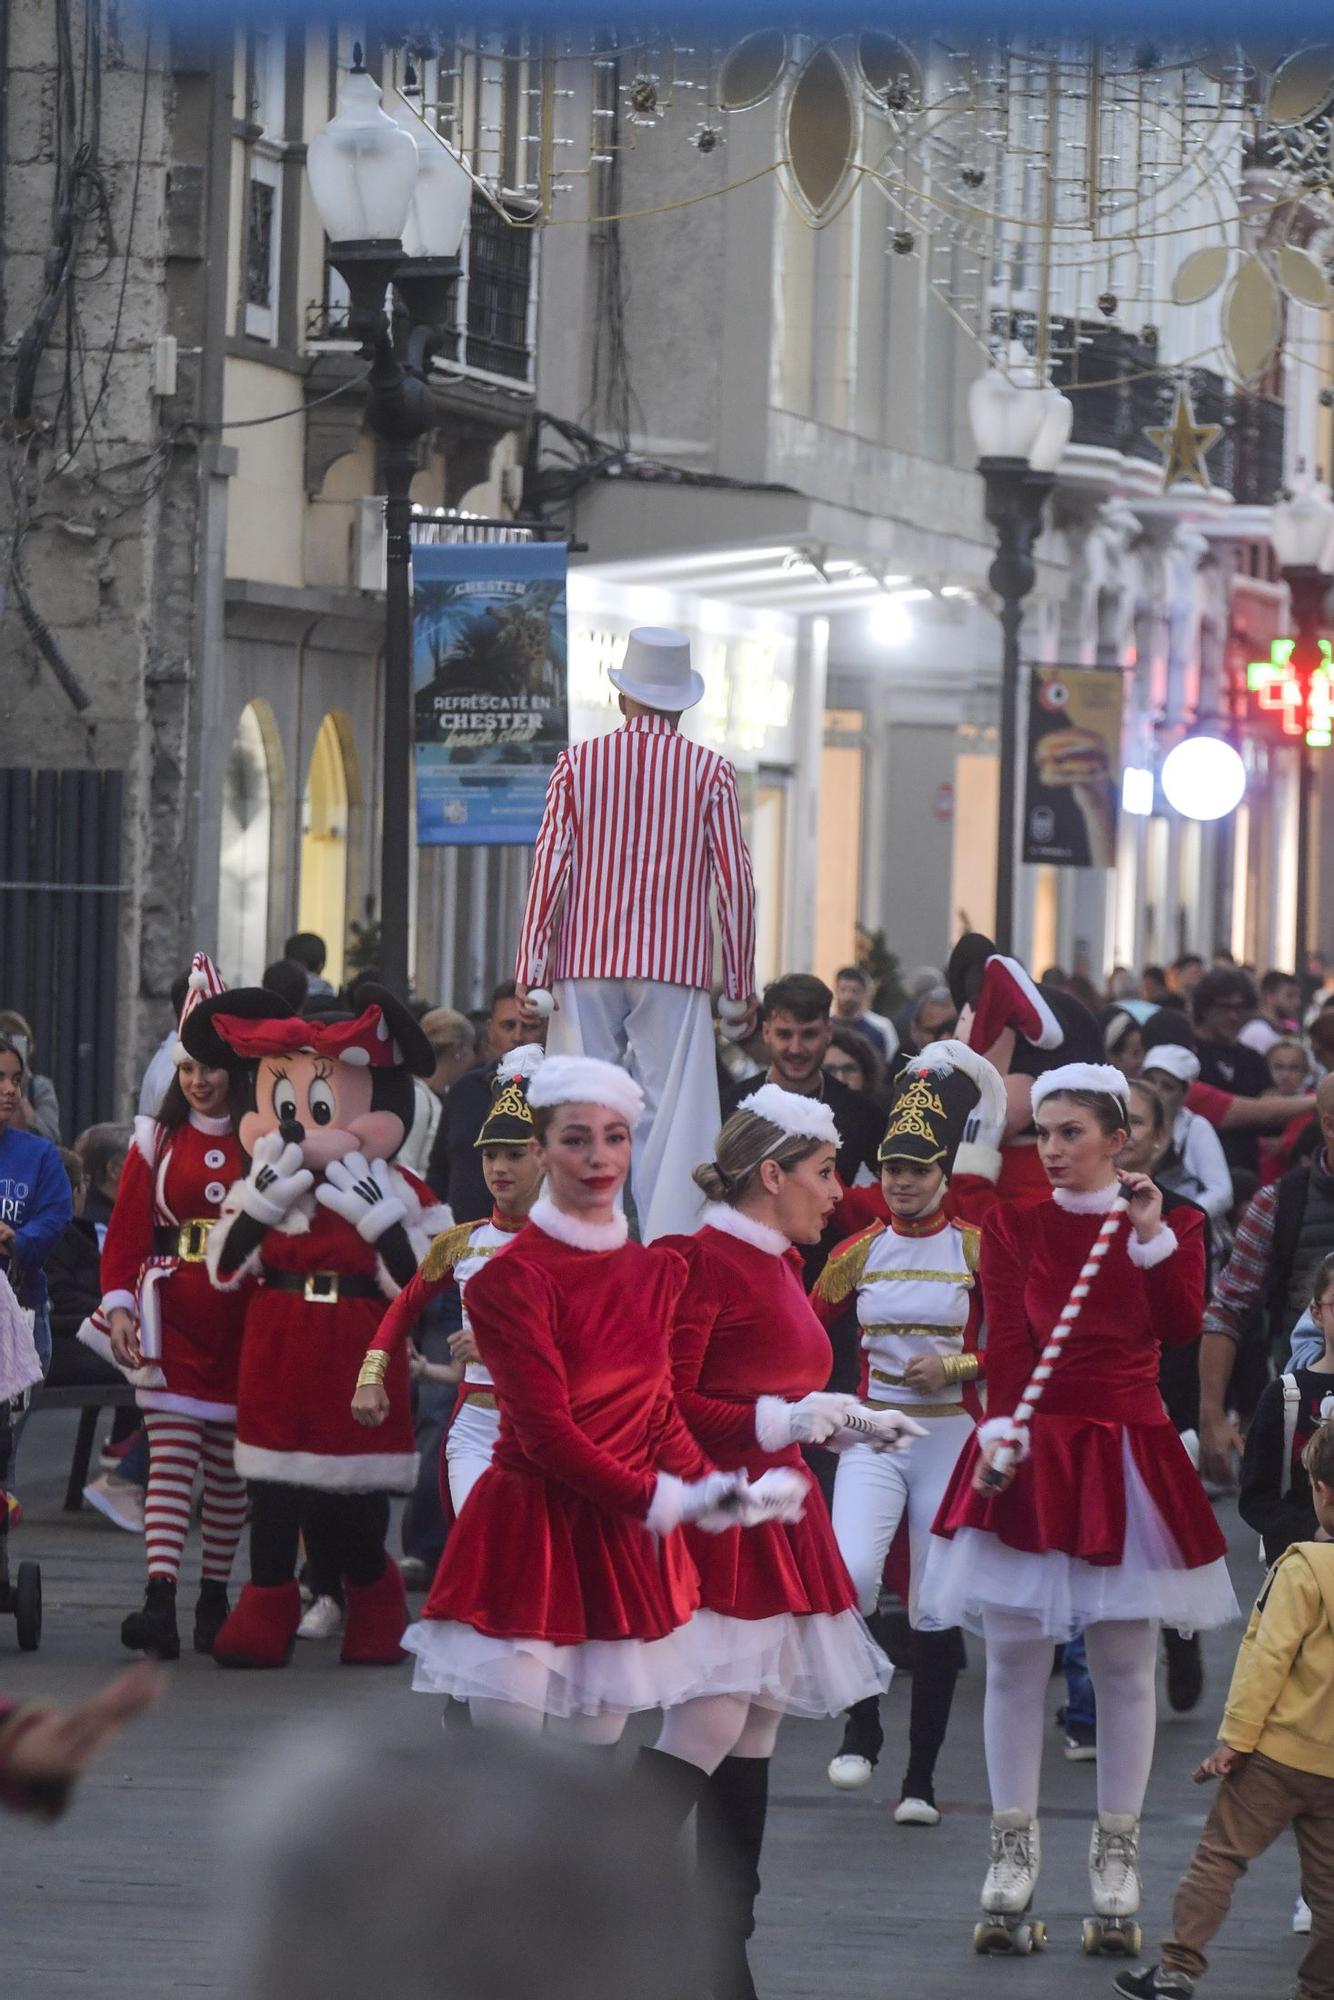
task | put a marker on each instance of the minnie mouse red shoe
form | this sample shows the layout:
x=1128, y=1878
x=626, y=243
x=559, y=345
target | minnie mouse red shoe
x=377, y=1618
x=262, y=1629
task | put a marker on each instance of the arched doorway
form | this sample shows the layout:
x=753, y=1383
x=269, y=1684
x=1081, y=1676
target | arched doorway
x=322, y=905
x=246, y=848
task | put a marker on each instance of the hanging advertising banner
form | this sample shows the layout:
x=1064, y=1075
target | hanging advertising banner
x=490, y=709
x=1073, y=776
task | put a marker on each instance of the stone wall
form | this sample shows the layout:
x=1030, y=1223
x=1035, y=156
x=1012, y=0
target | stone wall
x=105, y=468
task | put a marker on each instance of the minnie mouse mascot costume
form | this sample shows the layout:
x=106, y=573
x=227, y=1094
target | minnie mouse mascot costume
x=329, y=1232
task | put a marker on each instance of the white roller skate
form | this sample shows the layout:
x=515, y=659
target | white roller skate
x=1008, y=1924
x=1114, y=1886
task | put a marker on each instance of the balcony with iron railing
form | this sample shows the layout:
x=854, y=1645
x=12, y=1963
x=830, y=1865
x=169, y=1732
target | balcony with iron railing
x=1120, y=391
x=489, y=334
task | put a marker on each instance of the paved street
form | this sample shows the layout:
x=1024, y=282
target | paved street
x=117, y=1899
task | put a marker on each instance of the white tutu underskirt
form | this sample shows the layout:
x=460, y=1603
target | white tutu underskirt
x=975, y=1572
x=817, y=1664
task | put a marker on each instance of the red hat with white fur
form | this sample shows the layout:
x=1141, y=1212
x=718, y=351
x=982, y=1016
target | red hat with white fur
x=205, y=981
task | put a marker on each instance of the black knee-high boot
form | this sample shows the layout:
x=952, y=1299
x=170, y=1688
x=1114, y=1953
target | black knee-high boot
x=672, y=1784
x=731, y=1836
x=938, y=1657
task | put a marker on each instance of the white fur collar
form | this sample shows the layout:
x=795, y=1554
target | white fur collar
x=580, y=1235
x=215, y=1127
x=746, y=1229
x=1086, y=1201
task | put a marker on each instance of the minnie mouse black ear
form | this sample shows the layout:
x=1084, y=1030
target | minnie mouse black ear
x=418, y=1055
x=963, y=974
x=245, y=1003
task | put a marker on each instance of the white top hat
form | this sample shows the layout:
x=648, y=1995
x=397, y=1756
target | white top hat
x=657, y=671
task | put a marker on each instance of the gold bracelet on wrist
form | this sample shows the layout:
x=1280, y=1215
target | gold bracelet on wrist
x=961, y=1367
x=373, y=1370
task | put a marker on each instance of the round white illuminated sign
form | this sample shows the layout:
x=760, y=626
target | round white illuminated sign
x=1204, y=778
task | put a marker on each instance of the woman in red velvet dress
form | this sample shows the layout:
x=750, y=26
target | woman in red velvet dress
x=749, y=1363
x=1102, y=1524
x=566, y=1589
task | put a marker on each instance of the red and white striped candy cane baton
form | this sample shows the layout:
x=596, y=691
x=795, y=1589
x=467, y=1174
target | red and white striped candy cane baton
x=1008, y=1452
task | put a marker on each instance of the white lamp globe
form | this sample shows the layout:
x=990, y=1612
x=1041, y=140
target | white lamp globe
x=442, y=194
x=1203, y=778
x=362, y=166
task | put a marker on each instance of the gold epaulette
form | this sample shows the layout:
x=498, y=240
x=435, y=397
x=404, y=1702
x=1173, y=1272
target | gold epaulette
x=445, y=1251
x=843, y=1273
x=972, y=1244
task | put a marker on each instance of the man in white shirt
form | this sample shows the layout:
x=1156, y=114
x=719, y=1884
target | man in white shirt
x=1279, y=1015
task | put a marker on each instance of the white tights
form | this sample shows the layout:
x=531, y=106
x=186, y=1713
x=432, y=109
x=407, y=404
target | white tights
x=699, y=1732
x=715, y=1726
x=1122, y=1654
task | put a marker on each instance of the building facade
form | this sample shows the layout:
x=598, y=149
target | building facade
x=748, y=427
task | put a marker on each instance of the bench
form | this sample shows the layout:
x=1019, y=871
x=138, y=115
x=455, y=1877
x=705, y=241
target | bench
x=90, y=1400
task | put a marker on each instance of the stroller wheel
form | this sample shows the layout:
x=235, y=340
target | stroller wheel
x=28, y=1606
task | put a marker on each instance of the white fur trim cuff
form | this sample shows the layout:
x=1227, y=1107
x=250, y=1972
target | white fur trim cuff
x=799, y=1117
x=1004, y=1430
x=1082, y=1076
x=119, y=1301
x=667, y=1507
x=366, y=1472
x=150, y=1398
x=572, y=1229
x=1145, y=1255
x=745, y=1228
x=773, y=1424
x=586, y=1080
x=982, y=1161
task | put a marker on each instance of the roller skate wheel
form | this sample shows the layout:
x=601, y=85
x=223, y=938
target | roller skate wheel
x=850, y=1774
x=28, y=1606
x=1090, y=1936
x=1039, y=1930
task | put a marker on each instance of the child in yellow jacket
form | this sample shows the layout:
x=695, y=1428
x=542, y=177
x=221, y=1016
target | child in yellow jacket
x=1276, y=1760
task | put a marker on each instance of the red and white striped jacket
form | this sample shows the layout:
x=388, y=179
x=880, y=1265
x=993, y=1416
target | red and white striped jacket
x=636, y=825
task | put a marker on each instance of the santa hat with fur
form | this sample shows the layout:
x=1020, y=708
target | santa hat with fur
x=586, y=1080
x=205, y=982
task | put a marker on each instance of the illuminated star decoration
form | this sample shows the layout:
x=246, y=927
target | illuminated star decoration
x=1184, y=444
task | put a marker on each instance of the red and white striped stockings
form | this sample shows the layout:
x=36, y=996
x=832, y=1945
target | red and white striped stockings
x=176, y=1445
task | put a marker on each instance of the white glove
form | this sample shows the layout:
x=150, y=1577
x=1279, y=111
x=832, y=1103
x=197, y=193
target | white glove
x=276, y=1180
x=883, y=1430
x=679, y=1500
x=777, y=1495
x=812, y=1420
x=362, y=1192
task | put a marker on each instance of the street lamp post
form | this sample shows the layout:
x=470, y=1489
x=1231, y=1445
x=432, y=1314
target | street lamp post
x=393, y=200
x=1021, y=426
x=1301, y=529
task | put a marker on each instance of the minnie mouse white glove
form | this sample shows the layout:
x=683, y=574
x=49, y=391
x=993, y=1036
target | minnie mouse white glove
x=362, y=1192
x=276, y=1180
x=811, y=1421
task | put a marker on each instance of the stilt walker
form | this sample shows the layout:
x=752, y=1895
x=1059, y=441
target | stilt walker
x=177, y=1340
x=749, y=1357
x=1075, y=1507
x=912, y=1283
x=509, y=1164
x=323, y=1230
x=638, y=827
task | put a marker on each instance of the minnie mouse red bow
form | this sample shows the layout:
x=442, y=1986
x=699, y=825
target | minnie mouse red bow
x=365, y=1042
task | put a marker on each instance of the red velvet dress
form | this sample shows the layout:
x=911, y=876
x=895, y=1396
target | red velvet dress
x=552, y=1591
x=744, y=1329
x=189, y=1333
x=1106, y=1517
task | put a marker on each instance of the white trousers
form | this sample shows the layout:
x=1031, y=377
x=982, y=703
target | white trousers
x=469, y=1443
x=663, y=1035
x=874, y=1489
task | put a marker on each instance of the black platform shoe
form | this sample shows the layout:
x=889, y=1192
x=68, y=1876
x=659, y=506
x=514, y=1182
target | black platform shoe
x=153, y=1630
x=211, y=1613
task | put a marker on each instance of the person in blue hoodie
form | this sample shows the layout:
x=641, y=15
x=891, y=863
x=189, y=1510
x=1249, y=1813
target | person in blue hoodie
x=35, y=1206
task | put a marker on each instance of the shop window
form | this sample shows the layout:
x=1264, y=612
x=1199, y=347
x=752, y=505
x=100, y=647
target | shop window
x=322, y=905
x=266, y=112
x=245, y=853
